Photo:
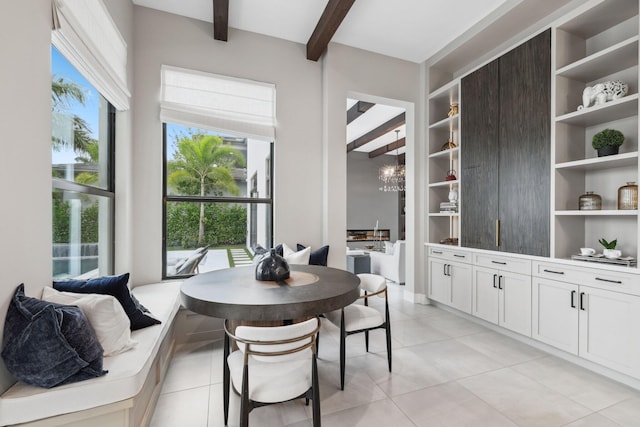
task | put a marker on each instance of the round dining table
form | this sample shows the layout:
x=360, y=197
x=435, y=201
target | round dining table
x=235, y=294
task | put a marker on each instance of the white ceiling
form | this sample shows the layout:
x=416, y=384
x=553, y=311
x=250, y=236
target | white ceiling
x=412, y=30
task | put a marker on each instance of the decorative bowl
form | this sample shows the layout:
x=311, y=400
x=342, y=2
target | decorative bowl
x=368, y=246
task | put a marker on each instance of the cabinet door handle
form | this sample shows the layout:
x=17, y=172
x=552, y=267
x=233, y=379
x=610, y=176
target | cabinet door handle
x=459, y=256
x=444, y=269
x=554, y=272
x=582, y=301
x=448, y=269
x=573, y=301
x=499, y=262
x=618, y=282
x=436, y=252
x=495, y=276
x=500, y=285
x=497, y=232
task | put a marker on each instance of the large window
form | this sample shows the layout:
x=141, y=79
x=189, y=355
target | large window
x=82, y=144
x=217, y=204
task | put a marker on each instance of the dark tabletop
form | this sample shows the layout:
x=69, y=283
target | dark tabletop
x=234, y=293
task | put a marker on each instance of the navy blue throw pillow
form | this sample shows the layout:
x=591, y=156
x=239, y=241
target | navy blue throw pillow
x=317, y=257
x=115, y=286
x=47, y=344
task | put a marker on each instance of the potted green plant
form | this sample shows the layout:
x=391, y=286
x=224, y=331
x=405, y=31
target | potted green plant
x=607, y=142
x=610, y=248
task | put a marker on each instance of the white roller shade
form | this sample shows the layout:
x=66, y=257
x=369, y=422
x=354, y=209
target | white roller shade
x=88, y=38
x=198, y=99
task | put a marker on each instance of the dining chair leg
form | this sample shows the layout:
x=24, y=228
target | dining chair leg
x=366, y=340
x=343, y=339
x=244, y=404
x=388, y=331
x=226, y=379
x=315, y=386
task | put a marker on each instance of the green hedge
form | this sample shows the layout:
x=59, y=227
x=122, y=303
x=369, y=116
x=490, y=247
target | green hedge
x=225, y=224
x=61, y=221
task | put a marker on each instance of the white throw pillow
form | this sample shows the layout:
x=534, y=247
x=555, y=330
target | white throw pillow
x=293, y=257
x=105, y=314
x=388, y=248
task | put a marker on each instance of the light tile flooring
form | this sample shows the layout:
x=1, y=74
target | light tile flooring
x=447, y=371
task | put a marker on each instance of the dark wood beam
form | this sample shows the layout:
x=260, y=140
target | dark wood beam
x=220, y=19
x=329, y=22
x=376, y=133
x=387, y=148
x=358, y=109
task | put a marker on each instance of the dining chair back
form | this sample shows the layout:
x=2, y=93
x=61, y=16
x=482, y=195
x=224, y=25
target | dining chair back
x=273, y=364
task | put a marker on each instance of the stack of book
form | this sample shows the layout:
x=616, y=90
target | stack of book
x=448, y=207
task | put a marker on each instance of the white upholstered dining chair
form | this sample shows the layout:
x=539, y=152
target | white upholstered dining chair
x=273, y=364
x=356, y=318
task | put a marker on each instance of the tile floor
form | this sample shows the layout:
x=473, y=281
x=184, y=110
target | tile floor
x=447, y=371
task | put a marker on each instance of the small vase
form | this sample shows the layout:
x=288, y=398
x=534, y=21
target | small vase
x=608, y=150
x=590, y=202
x=628, y=196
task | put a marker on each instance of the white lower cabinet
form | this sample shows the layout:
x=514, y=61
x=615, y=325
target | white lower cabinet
x=555, y=314
x=450, y=283
x=599, y=325
x=503, y=298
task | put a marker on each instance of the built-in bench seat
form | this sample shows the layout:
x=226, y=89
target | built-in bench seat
x=126, y=396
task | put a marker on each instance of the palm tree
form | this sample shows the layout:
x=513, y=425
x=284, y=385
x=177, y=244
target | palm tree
x=202, y=164
x=63, y=93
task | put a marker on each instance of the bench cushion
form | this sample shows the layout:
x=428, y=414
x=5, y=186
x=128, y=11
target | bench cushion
x=127, y=371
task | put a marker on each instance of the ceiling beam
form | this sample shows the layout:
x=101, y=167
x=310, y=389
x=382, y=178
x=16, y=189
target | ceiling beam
x=387, y=148
x=333, y=15
x=358, y=109
x=377, y=132
x=220, y=19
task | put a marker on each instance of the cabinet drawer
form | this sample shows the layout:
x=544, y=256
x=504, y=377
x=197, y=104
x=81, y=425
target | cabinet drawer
x=450, y=254
x=514, y=265
x=599, y=278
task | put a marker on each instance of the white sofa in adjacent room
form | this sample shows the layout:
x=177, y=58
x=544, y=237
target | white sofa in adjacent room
x=390, y=263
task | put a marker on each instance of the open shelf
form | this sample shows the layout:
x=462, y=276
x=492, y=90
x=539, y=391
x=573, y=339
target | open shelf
x=442, y=183
x=447, y=123
x=620, y=56
x=444, y=153
x=608, y=212
x=597, y=163
x=610, y=111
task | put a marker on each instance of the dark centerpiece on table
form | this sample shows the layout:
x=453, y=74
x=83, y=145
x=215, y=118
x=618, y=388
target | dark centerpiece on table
x=272, y=267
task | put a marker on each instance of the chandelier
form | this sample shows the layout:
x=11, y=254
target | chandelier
x=393, y=176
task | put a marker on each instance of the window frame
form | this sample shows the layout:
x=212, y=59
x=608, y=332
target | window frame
x=206, y=199
x=109, y=192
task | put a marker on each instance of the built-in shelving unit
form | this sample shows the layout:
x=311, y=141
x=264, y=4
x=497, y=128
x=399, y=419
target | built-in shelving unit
x=595, y=43
x=442, y=159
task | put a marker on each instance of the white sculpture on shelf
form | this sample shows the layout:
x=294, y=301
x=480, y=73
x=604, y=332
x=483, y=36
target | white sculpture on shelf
x=603, y=92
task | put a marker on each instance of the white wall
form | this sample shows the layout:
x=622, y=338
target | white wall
x=162, y=38
x=310, y=155
x=25, y=126
x=355, y=73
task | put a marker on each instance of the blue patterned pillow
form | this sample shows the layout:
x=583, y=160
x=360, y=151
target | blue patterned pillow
x=47, y=344
x=115, y=286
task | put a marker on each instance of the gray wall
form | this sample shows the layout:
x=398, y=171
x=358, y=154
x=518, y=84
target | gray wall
x=366, y=204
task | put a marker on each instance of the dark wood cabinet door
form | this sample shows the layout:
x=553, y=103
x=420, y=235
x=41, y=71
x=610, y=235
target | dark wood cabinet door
x=479, y=128
x=525, y=147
